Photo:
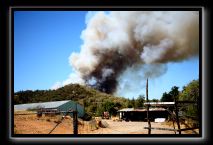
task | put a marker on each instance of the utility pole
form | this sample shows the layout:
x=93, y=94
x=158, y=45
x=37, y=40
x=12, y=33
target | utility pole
x=75, y=123
x=177, y=116
x=147, y=99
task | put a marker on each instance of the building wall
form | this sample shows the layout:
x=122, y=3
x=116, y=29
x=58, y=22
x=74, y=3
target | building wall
x=72, y=105
x=80, y=110
x=141, y=116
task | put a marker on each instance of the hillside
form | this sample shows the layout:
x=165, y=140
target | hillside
x=95, y=102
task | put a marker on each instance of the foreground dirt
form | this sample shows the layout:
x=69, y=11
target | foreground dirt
x=31, y=124
x=136, y=128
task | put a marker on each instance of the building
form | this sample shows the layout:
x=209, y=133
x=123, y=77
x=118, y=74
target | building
x=53, y=106
x=131, y=114
x=156, y=110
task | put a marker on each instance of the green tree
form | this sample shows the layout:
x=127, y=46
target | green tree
x=140, y=101
x=99, y=110
x=129, y=104
x=118, y=105
x=154, y=100
x=174, y=92
x=110, y=107
x=191, y=93
x=90, y=98
x=169, y=97
x=166, y=97
x=133, y=103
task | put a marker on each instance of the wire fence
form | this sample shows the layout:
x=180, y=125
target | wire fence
x=65, y=124
x=176, y=118
x=51, y=114
x=84, y=127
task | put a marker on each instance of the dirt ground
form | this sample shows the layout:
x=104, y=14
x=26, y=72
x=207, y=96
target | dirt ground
x=136, y=128
x=31, y=124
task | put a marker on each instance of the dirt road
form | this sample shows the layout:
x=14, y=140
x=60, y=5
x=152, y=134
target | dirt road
x=132, y=128
x=30, y=124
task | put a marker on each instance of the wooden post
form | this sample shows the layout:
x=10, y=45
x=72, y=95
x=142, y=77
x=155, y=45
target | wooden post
x=147, y=99
x=198, y=112
x=75, y=123
x=39, y=113
x=177, y=116
x=173, y=124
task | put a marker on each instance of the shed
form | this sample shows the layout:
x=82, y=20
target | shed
x=55, y=105
x=141, y=114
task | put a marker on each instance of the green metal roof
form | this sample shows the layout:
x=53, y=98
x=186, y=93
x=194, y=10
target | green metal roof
x=53, y=104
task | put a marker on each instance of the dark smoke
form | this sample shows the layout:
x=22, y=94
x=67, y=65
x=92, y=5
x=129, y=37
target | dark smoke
x=118, y=41
x=111, y=65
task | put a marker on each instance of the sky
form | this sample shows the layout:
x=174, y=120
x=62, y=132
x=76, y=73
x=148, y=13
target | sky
x=44, y=40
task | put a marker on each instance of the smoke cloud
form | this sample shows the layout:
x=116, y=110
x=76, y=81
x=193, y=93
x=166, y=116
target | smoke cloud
x=116, y=43
x=132, y=81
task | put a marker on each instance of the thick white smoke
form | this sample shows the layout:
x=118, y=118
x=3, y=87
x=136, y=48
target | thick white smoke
x=117, y=41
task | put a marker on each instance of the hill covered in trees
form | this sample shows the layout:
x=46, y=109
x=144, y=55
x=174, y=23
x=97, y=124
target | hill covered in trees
x=95, y=102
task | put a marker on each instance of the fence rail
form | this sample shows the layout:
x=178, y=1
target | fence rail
x=175, y=117
x=158, y=128
x=75, y=118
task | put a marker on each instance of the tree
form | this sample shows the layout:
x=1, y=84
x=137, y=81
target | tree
x=99, y=110
x=129, y=104
x=92, y=100
x=133, y=102
x=154, y=100
x=174, y=92
x=169, y=97
x=118, y=105
x=139, y=103
x=191, y=93
x=166, y=97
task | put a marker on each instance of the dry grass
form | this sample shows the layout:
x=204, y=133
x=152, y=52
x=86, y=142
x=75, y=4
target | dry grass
x=31, y=124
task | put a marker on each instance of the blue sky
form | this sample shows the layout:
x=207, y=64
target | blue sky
x=178, y=74
x=43, y=42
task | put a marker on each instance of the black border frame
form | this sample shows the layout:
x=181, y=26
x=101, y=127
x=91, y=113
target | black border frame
x=102, y=135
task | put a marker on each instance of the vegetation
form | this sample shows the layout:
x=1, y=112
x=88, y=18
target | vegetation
x=190, y=92
x=170, y=97
x=94, y=102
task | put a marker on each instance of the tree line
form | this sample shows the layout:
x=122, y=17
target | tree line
x=190, y=92
x=95, y=102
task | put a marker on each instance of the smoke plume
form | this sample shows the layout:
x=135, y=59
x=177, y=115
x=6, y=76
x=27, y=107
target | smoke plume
x=116, y=41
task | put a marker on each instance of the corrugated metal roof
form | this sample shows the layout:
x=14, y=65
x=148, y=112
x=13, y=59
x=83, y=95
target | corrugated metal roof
x=126, y=109
x=150, y=109
x=53, y=104
x=141, y=110
x=159, y=103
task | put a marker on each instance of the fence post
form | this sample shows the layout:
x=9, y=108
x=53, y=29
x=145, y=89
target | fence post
x=198, y=112
x=75, y=123
x=177, y=116
x=147, y=99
